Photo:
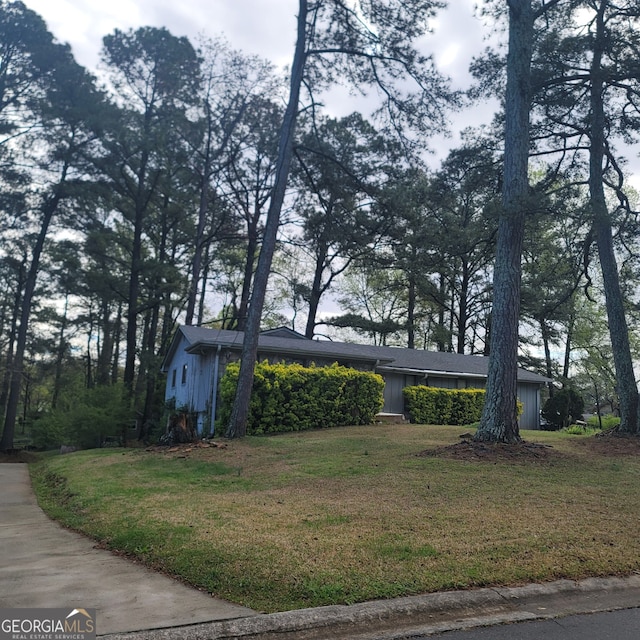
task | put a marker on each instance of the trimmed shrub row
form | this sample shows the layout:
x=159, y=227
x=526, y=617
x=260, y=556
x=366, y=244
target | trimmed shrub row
x=433, y=405
x=291, y=397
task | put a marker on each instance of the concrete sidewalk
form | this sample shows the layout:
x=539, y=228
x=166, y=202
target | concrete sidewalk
x=44, y=565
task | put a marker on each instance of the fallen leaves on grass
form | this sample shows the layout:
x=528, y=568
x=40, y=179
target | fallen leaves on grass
x=183, y=450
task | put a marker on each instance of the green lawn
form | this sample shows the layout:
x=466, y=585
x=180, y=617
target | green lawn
x=352, y=514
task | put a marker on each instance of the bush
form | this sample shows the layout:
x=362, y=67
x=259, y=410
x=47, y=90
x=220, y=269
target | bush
x=83, y=420
x=608, y=422
x=580, y=430
x=433, y=405
x=563, y=408
x=290, y=397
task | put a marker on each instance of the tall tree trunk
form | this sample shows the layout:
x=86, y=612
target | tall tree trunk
x=150, y=346
x=452, y=321
x=48, y=210
x=316, y=293
x=132, y=308
x=90, y=384
x=62, y=343
x=140, y=208
x=596, y=391
x=26, y=399
x=625, y=378
x=499, y=422
x=487, y=336
x=568, y=346
x=106, y=351
x=411, y=311
x=240, y=412
x=6, y=378
x=463, y=313
x=203, y=291
x=117, y=335
x=196, y=266
x=252, y=250
x=146, y=421
x=548, y=362
x=140, y=379
x=90, y=376
x=441, y=331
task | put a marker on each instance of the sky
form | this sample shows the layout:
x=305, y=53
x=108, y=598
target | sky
x=262, y=27
x=267, y=28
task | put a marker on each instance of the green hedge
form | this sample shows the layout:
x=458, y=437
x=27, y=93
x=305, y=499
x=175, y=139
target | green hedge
x=290, y=397
x=432, y=405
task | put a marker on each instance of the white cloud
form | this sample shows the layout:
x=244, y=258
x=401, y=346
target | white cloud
x=263, y=27
x=267, y=28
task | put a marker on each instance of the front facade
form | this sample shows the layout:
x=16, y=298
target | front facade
x=198, y=357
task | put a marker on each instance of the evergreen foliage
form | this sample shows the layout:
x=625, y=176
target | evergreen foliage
x=291, y=397
x=432, y=405
x=563, y=408
x=84, y=419
x=126, y=203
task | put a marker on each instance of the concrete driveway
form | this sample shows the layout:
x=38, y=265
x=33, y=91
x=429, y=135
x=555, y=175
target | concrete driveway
x=44, y=565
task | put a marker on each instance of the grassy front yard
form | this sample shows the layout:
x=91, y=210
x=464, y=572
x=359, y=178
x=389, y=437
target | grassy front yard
x=352, y=514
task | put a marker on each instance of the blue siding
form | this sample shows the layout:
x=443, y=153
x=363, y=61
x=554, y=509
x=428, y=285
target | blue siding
x=529, y=395
x=195, y=393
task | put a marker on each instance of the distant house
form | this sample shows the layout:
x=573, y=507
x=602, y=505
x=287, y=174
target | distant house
x=197, y=358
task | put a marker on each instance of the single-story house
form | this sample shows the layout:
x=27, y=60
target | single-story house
x=197, y=358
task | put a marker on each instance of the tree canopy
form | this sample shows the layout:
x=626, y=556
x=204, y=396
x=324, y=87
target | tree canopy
x=195, y=184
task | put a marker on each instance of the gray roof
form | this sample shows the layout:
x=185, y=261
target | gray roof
x=202, y=340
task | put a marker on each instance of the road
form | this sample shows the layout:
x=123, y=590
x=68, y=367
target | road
x=612, y=625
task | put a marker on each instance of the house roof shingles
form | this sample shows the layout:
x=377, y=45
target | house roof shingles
x=393, y=358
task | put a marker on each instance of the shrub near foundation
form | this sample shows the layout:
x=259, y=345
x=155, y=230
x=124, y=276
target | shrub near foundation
x=291, y=397
x=432, y=405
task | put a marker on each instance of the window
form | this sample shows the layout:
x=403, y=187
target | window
x=173, y=379
x=184, y=374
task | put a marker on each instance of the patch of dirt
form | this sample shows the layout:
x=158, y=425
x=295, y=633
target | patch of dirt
x=612, y=443
x=185, y=450
x=522, y=452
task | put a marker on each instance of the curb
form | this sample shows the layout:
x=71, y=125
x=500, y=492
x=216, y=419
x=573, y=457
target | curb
x=416, y=615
